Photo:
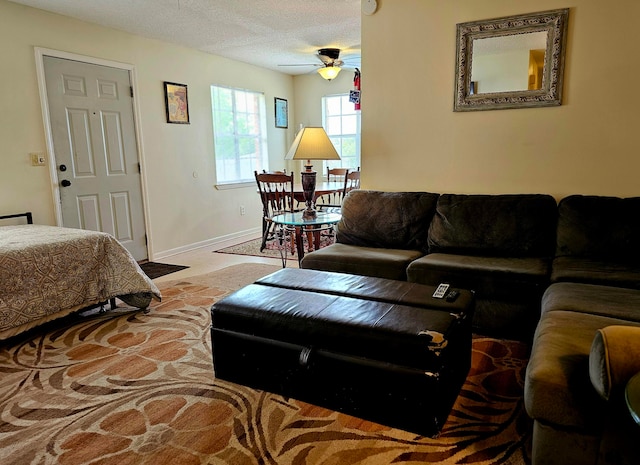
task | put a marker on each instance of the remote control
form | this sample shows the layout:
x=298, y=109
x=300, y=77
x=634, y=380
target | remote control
x=452, y=296
x=441, y=290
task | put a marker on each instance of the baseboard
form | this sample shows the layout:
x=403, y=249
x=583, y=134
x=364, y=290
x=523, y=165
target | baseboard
x=215, y=243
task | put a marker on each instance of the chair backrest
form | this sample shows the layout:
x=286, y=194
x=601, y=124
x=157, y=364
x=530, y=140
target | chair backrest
x=337, y=175
x=276, y=192
x=352, y=181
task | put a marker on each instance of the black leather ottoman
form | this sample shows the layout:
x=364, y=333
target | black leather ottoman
x=379, y=349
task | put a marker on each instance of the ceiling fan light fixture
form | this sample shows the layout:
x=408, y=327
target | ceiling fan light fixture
x=329, y=72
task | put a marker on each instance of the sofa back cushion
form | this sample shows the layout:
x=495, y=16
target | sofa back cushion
x=598, y=227
x=393, y=220
x=518, y=225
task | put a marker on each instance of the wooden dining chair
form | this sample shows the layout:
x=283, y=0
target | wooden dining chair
x=352, y=181
x=276, y=194
x=333, y=199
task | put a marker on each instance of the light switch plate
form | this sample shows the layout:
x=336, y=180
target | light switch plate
x=37, y=158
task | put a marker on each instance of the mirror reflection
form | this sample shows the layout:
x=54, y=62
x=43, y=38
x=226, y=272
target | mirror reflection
x=508, y=63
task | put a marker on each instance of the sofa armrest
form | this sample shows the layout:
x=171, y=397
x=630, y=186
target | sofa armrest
x=614, y=358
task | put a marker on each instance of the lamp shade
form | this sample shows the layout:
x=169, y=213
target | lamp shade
x=312, y=143
x=329, y=72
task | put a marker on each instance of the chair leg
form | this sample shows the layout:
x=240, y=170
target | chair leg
x=268, y=230
x=266, y=226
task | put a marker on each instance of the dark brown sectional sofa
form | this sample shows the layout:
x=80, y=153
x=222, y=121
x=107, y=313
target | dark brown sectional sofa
x=561, y=275
x=500, y=246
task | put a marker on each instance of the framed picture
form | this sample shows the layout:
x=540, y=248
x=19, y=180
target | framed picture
x=282, y=114
x=175, y=97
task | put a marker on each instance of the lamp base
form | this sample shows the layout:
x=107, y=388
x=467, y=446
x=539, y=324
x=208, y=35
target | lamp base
x=308, y=188
x=309, y=214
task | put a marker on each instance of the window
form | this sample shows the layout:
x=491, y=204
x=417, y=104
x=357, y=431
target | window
x=342, y=123
x=239, y=134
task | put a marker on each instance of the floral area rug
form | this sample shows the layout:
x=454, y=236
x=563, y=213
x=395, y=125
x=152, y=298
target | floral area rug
x=128, y=387
x=272, y=250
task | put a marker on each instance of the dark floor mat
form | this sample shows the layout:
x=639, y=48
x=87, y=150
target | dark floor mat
x=155, y=270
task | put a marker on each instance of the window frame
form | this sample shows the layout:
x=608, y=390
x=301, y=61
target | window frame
x=253, y=119
x=344, y=100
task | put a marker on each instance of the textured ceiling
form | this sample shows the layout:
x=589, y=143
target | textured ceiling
x=265, y=33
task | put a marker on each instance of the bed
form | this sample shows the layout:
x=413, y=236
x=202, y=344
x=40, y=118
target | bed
x=47, y=272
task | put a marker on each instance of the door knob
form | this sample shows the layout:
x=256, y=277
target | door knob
x=65, y=183
x=63, y=167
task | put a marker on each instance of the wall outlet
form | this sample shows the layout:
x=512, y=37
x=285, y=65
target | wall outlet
x=37, y=159
x=242, y=210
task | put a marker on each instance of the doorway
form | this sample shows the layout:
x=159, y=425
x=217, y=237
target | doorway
x=98, y=182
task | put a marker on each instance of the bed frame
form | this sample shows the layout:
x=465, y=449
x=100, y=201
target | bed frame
x=18, y=215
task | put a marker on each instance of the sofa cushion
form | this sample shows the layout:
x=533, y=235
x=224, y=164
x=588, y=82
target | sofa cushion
x=508, y=290
x=394, y=220
x=597, y=227
x=596, y=271
x=364, y=261
x=521, y=225
x=488, y=276
x=614, y=359
x=593, y=299
x=557, y=386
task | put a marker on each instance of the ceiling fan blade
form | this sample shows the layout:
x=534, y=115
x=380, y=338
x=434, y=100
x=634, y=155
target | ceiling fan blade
x=303, y=64
x=329, y=57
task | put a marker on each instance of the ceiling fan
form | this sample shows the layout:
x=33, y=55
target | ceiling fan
x=331, y=62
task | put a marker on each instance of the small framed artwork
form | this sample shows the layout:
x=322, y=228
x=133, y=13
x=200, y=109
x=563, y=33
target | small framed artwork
x=177, y=105
x=282, y=113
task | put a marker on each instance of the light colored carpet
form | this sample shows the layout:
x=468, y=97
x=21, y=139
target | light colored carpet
x=138, y=388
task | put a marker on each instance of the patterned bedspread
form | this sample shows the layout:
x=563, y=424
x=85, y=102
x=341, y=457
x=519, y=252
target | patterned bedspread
x=47, y=272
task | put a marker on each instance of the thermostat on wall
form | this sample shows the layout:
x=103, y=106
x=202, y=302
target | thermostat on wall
x=369, y=6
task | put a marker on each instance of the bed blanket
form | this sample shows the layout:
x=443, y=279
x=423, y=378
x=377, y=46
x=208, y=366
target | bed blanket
x=47, y=272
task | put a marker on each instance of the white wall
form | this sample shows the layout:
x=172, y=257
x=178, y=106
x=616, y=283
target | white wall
x=184, y=211
x=412, y=139
x=309, y=90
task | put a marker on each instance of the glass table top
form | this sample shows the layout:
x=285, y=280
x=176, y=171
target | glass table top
x=295, y=219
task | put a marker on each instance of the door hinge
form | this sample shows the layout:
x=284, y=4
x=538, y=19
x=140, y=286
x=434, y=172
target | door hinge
x=146, y=241
x=131, y=89
x=139, y=168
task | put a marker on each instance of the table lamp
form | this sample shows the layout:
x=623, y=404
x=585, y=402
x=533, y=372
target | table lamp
x=311, y=143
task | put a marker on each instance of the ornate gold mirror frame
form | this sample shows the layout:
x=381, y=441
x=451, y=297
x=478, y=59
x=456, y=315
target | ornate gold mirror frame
x=468, y=93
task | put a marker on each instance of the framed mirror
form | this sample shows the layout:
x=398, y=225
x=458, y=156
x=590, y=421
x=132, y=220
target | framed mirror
x=511, y=62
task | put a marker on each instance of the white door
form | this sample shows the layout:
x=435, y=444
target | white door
x=92, y=125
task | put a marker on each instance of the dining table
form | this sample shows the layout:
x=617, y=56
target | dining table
x=322, y=188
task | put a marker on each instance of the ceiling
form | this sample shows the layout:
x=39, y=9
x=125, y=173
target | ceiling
x=266, y=33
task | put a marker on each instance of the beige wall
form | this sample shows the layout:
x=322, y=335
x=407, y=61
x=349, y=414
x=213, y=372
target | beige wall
x=184, y=210
x=412, y=139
